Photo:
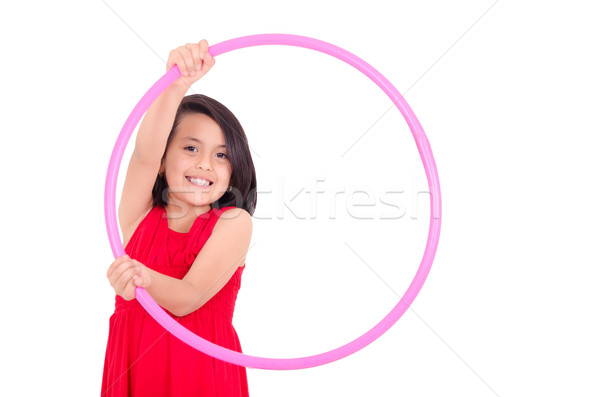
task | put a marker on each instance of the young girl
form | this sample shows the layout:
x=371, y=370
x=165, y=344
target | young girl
x=185, y=214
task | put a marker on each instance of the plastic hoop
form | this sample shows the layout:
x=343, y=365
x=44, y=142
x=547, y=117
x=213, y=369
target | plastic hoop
x=231, y=356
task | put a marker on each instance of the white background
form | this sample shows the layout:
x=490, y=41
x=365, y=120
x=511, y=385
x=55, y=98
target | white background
x=507, y=93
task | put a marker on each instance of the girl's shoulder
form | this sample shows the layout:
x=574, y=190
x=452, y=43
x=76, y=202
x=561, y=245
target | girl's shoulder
x=128, y=234
x=228, y=213
x=233, y=219
x=231, y=211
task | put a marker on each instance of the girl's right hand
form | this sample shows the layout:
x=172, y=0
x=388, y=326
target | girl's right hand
x=121, y=276
x=193, y=60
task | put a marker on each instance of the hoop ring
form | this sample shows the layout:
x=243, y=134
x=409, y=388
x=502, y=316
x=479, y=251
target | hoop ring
x=409, y=296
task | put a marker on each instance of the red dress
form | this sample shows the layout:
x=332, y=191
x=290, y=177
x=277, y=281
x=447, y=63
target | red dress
x=142, y=358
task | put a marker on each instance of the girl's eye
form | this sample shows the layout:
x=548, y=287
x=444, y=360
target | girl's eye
x=193, y=149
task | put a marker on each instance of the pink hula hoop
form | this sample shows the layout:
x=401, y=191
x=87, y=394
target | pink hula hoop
x=234, y=357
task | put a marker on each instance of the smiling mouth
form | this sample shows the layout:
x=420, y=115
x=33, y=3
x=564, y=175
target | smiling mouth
x=199, y=182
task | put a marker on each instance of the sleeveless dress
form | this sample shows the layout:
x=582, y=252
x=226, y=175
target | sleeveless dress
x=142, y=358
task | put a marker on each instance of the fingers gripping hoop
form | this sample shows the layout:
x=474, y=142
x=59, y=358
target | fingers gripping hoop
x=231, y=356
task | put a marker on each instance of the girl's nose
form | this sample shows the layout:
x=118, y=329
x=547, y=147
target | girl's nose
x=203, y=164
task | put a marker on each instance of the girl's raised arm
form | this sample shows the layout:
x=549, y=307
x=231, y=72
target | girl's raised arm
x=194, y=62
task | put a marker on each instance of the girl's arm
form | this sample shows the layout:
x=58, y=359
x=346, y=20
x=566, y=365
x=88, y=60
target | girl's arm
x=216, y=263
x=194, y=61
x=154, y=130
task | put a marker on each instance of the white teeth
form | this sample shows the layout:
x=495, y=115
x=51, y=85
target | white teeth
x=199, y=182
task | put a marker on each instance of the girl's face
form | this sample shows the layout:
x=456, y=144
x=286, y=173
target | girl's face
x=196, y=165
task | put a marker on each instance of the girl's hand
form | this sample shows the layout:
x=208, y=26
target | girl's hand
x=193, y=61
x=125, y=274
